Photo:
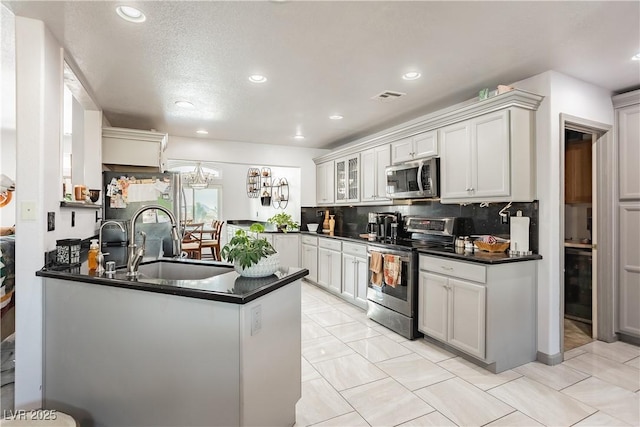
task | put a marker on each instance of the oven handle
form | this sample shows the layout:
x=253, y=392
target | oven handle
x=402, y=258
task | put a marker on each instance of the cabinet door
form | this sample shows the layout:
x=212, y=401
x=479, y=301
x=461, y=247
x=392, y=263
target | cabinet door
x=432, y=305
x=373, y=177
x=402, y=150
x=348, y=276
x=577, y=171
x=324, y=266
x=455, y=161
x=425, y=145
x=361, y=269
x=325, y=183
x=353, y=178
x=287, y=246
x=341, y=181
x=335, y=271
x=467, y=330
x=629, y=273
x=310, y=261
x=628, y=128
x=490, y=162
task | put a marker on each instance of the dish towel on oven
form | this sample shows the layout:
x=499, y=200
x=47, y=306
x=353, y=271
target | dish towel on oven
x=375, y=265
x=392, y=269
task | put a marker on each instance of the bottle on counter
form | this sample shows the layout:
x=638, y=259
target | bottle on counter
x=94, y=250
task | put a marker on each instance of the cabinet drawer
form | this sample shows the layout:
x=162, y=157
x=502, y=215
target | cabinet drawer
x=462, y=270
x=335, y=245
x=309, y=240
x=355, y=249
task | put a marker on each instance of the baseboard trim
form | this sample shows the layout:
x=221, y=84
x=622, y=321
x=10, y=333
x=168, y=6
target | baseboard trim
x=630, y=339
x=549, y=359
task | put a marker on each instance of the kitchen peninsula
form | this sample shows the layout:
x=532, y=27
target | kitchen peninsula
x=187, y=343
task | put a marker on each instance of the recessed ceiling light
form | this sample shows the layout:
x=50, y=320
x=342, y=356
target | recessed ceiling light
x=184, y=104
x=202, y=132
x=411, y=75
x=299, y=137
x=257, y=78
x=636, y=57
x=336, y=117
x=130, y=14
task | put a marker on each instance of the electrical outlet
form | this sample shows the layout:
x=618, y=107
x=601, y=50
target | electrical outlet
x=319, y=213
x=51, y=221
x=256, y=319
x=504, y=219
x=73, y=218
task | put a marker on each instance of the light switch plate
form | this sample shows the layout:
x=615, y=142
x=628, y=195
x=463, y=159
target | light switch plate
x=28, y=211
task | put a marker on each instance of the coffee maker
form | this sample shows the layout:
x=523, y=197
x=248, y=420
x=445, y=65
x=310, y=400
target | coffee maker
x=372, y=226
x=389, y=224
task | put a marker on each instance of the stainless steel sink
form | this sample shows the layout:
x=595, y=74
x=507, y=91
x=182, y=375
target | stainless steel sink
x=180, y=270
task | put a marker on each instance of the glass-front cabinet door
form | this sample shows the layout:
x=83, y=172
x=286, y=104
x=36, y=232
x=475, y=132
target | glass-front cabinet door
x=348, y=179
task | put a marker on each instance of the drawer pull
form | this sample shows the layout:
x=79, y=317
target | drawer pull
x=446, y=268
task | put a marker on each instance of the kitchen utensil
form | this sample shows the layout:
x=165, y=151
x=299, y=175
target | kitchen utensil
x=312, y=227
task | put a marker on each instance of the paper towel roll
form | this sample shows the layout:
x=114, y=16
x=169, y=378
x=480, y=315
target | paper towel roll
x=519, y=234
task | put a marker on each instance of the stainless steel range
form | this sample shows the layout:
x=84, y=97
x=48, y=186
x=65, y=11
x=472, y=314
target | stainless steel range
x=392, y=291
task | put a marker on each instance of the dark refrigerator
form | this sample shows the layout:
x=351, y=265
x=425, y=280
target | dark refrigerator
x=126, y=192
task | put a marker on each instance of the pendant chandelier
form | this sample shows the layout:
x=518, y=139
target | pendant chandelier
x=198, y=179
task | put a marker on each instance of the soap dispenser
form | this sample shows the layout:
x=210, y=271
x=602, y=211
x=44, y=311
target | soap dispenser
x=94, y=249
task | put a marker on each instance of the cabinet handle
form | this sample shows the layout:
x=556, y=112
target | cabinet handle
x=471, y=189
x=446, y=268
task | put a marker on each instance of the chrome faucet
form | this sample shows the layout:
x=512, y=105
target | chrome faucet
x=101, y=255
x=135, y=255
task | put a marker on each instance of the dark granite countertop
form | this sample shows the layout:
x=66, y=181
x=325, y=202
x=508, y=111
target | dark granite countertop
x=476, y=256
x=226, y=287
x=268, y=227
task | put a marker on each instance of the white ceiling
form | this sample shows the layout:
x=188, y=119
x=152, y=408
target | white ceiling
x=323, y=58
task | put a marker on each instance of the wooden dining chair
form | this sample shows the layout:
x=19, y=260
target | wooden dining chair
x=192, y=240
x=214, y=242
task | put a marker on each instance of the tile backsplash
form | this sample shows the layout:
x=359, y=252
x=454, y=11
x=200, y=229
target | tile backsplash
x=478, y=220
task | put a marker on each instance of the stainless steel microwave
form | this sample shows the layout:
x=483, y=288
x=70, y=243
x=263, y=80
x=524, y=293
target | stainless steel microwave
x=415, y=180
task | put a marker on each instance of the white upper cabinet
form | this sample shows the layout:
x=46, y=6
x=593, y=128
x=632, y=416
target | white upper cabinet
x=489, y=158
x=415, y=147
x=324, y=183
x=348, y=179
x=373, y=177
x=628, y=133
x=475, y=158
x=486, y=148
x=133, y=147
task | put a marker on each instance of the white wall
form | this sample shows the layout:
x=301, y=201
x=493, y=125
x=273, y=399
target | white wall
x=249, y=154
x=8, y=108
x=567, y=95
x=39, y=101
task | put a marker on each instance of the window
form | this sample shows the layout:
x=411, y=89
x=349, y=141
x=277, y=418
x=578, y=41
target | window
x=201, y=205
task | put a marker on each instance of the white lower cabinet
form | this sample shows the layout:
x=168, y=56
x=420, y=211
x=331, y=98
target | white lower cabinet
x=287, y=246
x=330, y=264
x=453, y=311
x=485, y=311
x=309, y=256
x=354, y=273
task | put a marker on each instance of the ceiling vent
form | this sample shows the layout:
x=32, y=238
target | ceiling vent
x=388, y=95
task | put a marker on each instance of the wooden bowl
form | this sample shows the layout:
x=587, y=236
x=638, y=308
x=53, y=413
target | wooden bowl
x=492, y=247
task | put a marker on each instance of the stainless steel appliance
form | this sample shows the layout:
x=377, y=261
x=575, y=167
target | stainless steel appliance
x=397, y=307
x=388, y=223
x=578, y=284
x=417, y=179
x=126, y=192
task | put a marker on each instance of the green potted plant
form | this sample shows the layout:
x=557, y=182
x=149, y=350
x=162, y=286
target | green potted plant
x=252, y=256
x=283, y=221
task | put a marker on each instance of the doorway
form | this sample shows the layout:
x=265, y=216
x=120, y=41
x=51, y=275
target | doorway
x=579, y=196
x=586, y=298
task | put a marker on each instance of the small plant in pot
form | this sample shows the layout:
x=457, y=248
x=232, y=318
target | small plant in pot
x=283, y=221
x=252, y=256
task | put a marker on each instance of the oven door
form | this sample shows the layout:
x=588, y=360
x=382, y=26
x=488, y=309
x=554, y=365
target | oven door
x=399, y=298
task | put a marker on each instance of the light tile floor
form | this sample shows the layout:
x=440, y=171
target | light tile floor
x=358, y=373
